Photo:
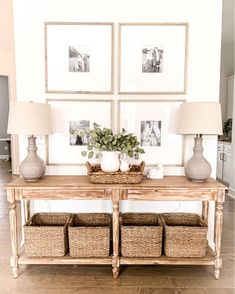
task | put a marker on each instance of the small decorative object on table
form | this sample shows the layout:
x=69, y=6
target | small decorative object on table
x=103, y=143
x=156, y=173
x=97, y=176
x=125, y=166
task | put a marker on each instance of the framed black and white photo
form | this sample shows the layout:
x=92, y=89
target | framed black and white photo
x=152, y=58
x=76, y=128
x=151, y=122
x=79, y=57
x=150, y=133
x=71, y=119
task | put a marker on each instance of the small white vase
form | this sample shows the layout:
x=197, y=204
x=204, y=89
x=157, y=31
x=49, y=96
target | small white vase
x=124, y=164
x=110, y=161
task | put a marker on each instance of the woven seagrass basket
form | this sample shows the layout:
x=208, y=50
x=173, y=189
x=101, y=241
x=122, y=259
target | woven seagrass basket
x=89, y=235
x=97, y=176
x=141, y=235
x=46, y=234
x=185, y=235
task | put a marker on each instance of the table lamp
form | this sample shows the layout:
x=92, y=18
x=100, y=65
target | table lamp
x=199, y=118
x=32, y=119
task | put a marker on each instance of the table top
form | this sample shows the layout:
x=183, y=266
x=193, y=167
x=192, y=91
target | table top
x=73, y=182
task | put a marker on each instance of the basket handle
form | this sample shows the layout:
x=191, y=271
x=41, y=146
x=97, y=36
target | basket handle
x=203, y=223
x=70, y=221
x=142, y=166
x=88, y=165
x=30, y=221
x=161, y=220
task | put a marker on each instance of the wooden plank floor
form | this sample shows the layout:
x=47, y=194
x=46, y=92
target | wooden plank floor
x=98, y=279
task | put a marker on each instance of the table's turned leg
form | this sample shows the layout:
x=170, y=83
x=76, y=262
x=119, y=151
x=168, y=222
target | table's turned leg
x=115, y=260
x=218, y=235
x=205, y=209
x=13, y=234
x=26, y=205
x=25, y=208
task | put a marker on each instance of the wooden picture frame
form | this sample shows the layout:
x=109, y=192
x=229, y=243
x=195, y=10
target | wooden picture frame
x=68, y=115
x=147, y=58
x=163, y=147
x=78, y=57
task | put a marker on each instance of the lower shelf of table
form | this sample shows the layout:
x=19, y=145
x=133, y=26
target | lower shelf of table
x=64, y=260
x=209, y=259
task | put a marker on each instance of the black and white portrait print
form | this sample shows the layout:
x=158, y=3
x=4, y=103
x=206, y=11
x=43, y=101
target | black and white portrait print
x=150, y=134
x=76, y=127
x=79, y=59
x=152, y=59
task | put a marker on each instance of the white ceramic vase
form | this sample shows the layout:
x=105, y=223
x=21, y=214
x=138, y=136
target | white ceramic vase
x=124, y=164
x=110, y=161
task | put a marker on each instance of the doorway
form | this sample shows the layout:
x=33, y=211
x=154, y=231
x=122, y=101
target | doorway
x=5, y=140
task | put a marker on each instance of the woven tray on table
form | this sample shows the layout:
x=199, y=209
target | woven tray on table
x=185, y=235
x=46, y=234
x=97, y=176
x=141, y=235
x=89, y=235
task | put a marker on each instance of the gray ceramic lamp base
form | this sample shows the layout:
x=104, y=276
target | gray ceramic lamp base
x=198, y=169
x=32, y=168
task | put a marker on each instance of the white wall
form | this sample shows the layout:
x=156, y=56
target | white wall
x=227, y=70
x=203, y=53
x=227, y=52
x=7, y=62
x=6, y=38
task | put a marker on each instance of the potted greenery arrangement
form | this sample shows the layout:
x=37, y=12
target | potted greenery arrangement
x=227, y=128
x=107, y=145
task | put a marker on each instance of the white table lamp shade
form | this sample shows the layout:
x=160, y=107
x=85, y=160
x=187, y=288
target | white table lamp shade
x=199, y=118
x=29, y=118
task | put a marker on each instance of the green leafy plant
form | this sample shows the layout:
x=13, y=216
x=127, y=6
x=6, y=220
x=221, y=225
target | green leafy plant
x=227, y=127
x=103, y=139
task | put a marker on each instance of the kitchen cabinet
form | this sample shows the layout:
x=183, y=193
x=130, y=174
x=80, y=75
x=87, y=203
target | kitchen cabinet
x=224, y=162
x=220, y=163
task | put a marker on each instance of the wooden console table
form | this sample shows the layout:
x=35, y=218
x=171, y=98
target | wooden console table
x=171, y=188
